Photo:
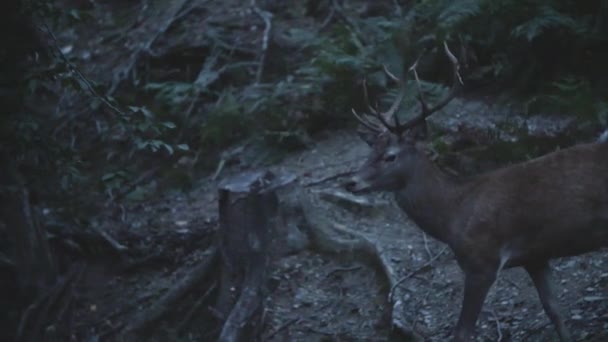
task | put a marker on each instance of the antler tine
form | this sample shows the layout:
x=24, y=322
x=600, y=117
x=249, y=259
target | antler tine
x=383, y=117
x=392, y=111
x=426, y=111
x=423, y=104
x=365, y=122
x=456, y=81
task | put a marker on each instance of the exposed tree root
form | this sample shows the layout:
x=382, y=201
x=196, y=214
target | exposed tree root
x=50, y=310
x=166, y=303
x=325, y=238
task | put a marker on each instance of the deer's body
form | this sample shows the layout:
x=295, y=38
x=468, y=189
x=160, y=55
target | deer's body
x=512, y=215
x=521, y=215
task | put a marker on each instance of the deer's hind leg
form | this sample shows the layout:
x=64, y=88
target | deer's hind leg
x=540, y=273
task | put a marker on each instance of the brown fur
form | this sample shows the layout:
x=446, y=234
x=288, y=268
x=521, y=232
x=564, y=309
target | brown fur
x=521, y=215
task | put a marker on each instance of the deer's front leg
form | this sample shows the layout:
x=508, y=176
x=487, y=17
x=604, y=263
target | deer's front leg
x=476, y=286
x=541, y=276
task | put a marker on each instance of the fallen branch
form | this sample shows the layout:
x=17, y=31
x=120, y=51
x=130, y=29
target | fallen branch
x=267, y=17
x=164, y=305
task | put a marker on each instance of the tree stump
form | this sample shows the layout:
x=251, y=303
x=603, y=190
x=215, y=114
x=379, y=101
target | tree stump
x=248, y=216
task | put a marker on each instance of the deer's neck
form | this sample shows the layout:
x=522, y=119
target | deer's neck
x=428, y=198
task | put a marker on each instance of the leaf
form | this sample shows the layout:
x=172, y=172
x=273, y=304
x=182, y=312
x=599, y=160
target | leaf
x=143, y=110
x=142, y=127
x=183, y=147
x=141, y=144
x=168, y=124
x=74, y=14
x=146, y=112
x=108, y=176
x=168, y=148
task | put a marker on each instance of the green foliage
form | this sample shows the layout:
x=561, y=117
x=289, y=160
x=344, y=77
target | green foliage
x=531, y=48
x=63, y=136
x=226, y=123
x=549, y=19
x=171, y=93
x=549, y=51
x=570, y=95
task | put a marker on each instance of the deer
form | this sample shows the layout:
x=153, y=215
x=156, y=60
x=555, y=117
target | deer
x=520, y=215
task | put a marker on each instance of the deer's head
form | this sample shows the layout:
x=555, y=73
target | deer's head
x=395, y=149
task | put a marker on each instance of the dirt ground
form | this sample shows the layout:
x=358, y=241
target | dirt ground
x=317, y=297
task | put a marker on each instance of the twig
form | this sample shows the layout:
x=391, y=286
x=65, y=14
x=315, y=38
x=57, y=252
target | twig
x=426, y=245
x=328, y=19
x=497, y=321
x=342, y=269
x=328, y=178
x=218, y=169
x=117, y=246
x=196, y=307
x=74, y=69
x=25, y=317
x=282, y=327
x=417, y=271
x=130, y=187
x=267, y=17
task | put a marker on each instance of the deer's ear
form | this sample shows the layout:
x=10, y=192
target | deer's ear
x=367, y=135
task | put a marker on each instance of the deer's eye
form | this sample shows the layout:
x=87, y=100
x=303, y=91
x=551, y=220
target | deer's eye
x=390, y=157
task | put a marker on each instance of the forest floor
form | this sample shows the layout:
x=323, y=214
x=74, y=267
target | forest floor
x=315, y=296
x=320, y=297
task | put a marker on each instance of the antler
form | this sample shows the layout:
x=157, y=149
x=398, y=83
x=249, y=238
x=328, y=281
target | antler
x=426, y=111
x=383, y=117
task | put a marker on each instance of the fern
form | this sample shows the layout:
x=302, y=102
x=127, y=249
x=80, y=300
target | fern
x=548, y=19
x=458, y=12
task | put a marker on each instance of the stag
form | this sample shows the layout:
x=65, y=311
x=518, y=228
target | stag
x=521, y=215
